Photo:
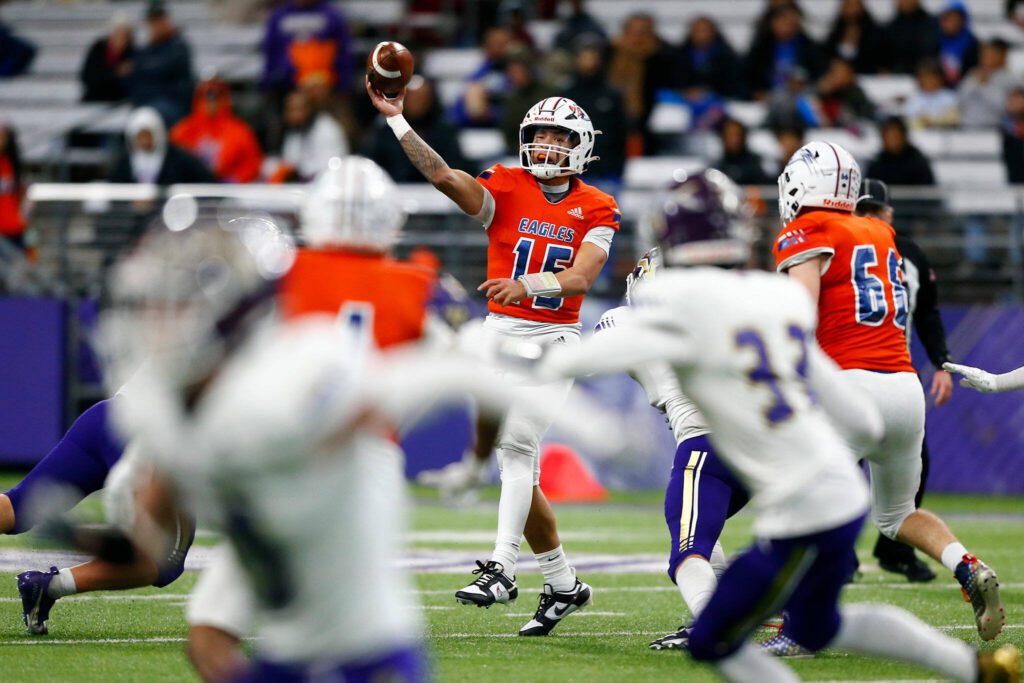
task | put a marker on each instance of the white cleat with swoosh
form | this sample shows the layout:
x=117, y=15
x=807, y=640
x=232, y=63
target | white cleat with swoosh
x=554, y=607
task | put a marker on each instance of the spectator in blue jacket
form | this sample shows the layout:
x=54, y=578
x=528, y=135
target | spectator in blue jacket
x=161, y=72
x=479, y=105
x=958, y=46
x=303, y=38
x=784, y=48
x=16, y=53
x=708, y=62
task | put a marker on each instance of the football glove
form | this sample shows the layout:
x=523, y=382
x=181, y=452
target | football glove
x=973, y=378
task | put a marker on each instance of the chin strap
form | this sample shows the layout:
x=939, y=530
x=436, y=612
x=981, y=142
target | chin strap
x=541, y=284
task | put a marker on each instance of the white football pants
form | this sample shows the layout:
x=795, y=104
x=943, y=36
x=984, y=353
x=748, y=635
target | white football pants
x=895, y=463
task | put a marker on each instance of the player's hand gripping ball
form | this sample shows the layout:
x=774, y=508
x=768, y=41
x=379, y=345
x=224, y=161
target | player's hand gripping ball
x=389, y=68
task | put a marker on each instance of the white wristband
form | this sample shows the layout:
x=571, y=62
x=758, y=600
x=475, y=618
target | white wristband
x=399, y=125
x=541, y=284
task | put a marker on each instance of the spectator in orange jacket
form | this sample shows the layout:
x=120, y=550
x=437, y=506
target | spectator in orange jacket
x=218, y=137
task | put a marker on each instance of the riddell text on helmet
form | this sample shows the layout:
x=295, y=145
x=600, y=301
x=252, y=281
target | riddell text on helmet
x=838, y=203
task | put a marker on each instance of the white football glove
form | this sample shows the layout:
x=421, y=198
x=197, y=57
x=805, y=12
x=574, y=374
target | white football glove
x=973, y=378
x=459, y=482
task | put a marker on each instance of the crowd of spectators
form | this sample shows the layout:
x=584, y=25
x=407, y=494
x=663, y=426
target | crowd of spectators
x=311, y=105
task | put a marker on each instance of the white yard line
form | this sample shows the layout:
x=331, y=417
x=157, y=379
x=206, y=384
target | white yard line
x=438, y=636
x=113, y=597
x=91, y=641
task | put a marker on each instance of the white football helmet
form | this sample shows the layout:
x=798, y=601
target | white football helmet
x=184, y=299
x=352, y=204
x=557, y=112
x=820, y=174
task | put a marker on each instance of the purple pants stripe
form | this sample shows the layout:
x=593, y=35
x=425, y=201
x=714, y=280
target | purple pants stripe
x=701, y=494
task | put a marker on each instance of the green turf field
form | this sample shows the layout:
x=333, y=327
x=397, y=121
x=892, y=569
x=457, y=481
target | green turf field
x=138, y=636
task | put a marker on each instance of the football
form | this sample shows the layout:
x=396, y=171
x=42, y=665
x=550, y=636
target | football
x=389, y=67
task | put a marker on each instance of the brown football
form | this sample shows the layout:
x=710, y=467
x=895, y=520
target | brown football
x=389, y=67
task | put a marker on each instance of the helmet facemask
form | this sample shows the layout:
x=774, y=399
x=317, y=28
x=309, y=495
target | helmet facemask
x=567, y=156
x=563, y=115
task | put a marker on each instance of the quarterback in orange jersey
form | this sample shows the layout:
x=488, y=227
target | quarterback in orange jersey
x=852, y=269
x=549, y=234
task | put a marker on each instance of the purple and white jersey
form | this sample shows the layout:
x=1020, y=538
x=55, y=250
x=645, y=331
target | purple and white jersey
x=741, y=346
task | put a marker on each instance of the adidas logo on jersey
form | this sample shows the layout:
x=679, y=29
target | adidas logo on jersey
x=576, y=213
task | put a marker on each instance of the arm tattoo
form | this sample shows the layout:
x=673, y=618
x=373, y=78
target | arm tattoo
x=426, y=160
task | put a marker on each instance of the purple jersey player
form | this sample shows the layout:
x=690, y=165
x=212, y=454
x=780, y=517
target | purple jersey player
x=77, y=466
x=787, y=424
x=701, y=493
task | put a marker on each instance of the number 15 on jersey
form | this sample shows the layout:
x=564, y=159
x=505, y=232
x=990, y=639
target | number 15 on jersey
x=557, y=257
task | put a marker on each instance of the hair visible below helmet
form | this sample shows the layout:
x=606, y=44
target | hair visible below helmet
x=564, y=114
x=186, y=298
x=353, y=204
x=704, y=220
x=819, y=174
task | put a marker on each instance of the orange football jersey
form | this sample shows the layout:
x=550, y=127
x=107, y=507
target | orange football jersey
x=529, y=234
x=362, y=289
x=862, y=307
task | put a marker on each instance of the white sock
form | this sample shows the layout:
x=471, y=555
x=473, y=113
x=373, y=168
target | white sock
x=513, y=507
x=557, y=572
x=750, y=663
x=62, y=584
x=952, y=554
x=696, y=581
x=718, y=560
x=887, y=631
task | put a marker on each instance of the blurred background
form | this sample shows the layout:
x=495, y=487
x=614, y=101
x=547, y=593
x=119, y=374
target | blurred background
x=108, y=107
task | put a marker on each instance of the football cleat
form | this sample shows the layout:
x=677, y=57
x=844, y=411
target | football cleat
x=916, y=570
x=980, y=586
x=35, y=599
x=492, y=586
x=999, y=666
x=553, y=607
x=783, y=646
x=680, y=640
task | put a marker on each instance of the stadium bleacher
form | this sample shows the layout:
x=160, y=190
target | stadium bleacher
x=44, y=104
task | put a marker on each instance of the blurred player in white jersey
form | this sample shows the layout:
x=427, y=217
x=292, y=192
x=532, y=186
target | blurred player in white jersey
x=268, y=431
x=742, y=348
x=350, y=222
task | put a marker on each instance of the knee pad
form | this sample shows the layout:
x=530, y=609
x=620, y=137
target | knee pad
x=515, y=464
x=171, y=568
x=890, y=521
x=169, y=573
x=518, y=435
